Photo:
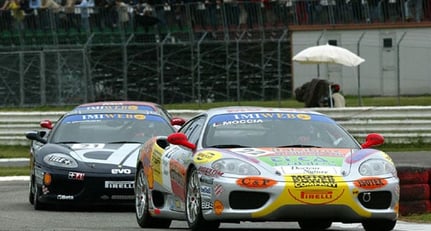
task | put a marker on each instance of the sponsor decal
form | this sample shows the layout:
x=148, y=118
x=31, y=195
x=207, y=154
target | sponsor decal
x=206, y=156
x=308, y=170
x=178, y=178
x=218, y=189
x=210, y=171
x=117, y=171
x=303, y=181
x=45, y=190
x=206, y=191
x=256, y=182
x=119, y=184
x=206, y=205
x=370, y=183
x=237, y=122
x=326, y=152
x=272, y=115
x=112, y=116
x=156, y=163
x=116, y=107
x=253, y=118
x=252, y=152
x=302, y=160
x=207, y=180
x=76, y=176
x=316, y=197
x=65, y=197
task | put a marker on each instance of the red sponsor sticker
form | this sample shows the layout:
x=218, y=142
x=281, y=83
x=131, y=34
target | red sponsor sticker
x=256, y=182
x=370, y=183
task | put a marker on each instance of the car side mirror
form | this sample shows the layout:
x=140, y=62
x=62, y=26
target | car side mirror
x=34, y=135
x=46, y=124
x=373, y=139
x=176, y=121
x=180, y=139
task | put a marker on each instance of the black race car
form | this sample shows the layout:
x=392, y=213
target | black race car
x=89, y=155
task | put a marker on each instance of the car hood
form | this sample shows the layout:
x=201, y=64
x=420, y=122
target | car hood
x=289, y=161
x=115, y=154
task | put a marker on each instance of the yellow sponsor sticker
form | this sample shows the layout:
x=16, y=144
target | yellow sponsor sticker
x=207, y=156
x=303, y=116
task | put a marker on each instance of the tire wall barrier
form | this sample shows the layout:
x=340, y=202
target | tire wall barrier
x=415, y=184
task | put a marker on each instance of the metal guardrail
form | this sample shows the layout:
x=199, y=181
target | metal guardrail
x=408, y=124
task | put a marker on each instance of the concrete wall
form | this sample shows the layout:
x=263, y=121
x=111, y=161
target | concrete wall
x=397, y=61
x=409, y=124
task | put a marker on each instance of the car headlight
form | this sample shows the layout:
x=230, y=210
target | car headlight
x=60, y=160
x=374, y=167
x=235, y=166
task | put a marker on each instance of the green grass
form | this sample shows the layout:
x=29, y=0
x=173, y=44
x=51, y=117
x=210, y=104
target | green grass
x=15, y=171
x=12, y=151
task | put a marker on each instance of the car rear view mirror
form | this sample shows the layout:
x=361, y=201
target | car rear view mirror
x=180, y=139
x=46, y=124
x=373, y=139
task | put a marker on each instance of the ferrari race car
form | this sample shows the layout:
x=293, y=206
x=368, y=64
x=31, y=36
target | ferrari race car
x=89, y=155
x=238, y=164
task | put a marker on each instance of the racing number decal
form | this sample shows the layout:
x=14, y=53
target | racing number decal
x=252, y=151
x=206, y=156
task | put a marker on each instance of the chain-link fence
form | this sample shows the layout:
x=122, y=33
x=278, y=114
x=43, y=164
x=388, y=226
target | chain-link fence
x=170, y=53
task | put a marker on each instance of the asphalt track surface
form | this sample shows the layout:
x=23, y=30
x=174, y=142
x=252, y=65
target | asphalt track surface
x=17, y=214
x=14, y=204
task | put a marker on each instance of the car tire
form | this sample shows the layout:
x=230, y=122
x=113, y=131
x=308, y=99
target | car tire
x=379, y=225
x=31, y=190
x=314, y=224
x=194, y=216
x=143, y=216
x=37, y=204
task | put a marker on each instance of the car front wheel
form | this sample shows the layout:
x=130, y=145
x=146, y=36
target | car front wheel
x=31, y=190
x=143, y=217
x=37, y=204
x=195, y=219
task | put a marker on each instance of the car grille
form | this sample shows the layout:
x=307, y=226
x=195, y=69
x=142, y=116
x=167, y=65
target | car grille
x=67, y=187
x=375, y=200
x=253, y=200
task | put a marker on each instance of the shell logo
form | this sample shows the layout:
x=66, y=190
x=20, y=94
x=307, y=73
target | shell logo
x=207, y=156
x=256, y=182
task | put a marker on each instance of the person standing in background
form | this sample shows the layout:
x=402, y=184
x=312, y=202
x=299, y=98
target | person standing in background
x=123, y=14
x=337, y=98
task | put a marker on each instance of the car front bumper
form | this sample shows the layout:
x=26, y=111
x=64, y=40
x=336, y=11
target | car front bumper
x=337, y=200
x=79, y=187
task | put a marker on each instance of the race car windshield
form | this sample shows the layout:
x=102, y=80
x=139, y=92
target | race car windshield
x=133, y=128
x=276, y=130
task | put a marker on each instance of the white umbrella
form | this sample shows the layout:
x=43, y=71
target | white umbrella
x=329, y=54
